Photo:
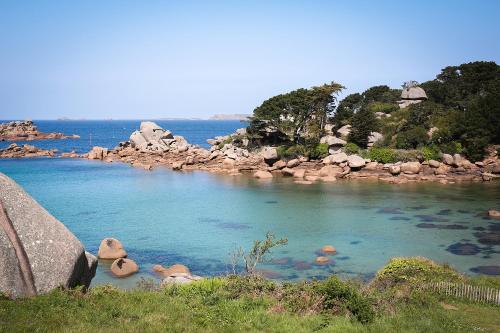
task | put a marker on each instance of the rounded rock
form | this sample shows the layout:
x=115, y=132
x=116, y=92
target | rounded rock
x=124, y=267
x=111, y=248
x=328, y=249
x=321, y=260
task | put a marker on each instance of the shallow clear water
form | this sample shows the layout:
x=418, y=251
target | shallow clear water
x=198, y=218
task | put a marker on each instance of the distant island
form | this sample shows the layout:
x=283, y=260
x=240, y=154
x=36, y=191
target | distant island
x=236, y=116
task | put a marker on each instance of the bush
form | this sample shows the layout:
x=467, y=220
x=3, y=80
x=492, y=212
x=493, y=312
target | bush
x=415, y=270
x=289, y=152
x=338, y=295
x=319, y=151
x=383, y=155
x=453, y=147
x=351, y=148
x=430, y=153
x=412, y=138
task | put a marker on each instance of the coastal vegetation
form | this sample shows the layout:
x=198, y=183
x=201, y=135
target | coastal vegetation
x=395, y=301
x=457, y=112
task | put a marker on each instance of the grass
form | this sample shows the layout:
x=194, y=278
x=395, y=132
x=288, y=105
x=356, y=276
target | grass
x=252, y=304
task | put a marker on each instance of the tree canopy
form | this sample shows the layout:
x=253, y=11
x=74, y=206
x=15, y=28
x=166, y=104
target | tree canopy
x=295, y=116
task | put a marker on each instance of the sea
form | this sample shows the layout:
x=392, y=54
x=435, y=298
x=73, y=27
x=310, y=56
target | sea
x=201, y=219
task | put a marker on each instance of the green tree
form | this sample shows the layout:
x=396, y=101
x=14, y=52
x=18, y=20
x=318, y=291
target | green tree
x=346, y=109
x=298, y=116
x=363, y=123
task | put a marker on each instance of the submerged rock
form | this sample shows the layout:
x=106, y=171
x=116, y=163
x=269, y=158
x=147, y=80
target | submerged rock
x=322, y=260
x=328, y=249
x=37, y=252
x=464, y=249
x=263, y=174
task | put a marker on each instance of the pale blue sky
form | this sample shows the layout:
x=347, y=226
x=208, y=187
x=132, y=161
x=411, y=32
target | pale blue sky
x=153, y=59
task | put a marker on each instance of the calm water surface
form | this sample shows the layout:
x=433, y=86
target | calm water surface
x=197, y=218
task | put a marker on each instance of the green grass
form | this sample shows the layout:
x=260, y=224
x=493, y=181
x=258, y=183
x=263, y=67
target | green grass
x=252, y=304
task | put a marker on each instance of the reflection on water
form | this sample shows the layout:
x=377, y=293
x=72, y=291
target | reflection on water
x=198, y=218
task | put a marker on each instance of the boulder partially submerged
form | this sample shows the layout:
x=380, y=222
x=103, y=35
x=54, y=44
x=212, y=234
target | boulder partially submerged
x=37, y=252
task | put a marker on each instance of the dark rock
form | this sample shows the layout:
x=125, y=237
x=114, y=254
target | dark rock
x=488, y=270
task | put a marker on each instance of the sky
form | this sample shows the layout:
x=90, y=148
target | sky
x=159, y=59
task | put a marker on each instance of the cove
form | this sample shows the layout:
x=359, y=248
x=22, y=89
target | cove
x=198, y=218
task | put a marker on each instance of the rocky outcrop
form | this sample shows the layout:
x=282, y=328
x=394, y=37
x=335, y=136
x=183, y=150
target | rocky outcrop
x=153, y=146
x=27, y=131
x=15, y=151
x=37, y=252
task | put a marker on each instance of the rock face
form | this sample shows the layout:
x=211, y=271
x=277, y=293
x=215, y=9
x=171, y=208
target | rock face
x=374, y=137
x=124, y=267
x=410, y=168
x=269, y=154
x=356, y=161
x=27, y=131
x=37, y=252
x=111, y=249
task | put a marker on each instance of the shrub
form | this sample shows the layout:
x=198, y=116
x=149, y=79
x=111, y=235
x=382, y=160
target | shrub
x=408, y=155
x=319, y=151
x=415, y=270
x=383, y=155
x=412, y=138
x=338, y=295
x=430, y=153
x=453, y=147
x=351, y=148
x=287, y=152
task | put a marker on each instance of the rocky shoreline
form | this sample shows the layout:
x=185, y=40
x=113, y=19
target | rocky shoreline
x=27, y=131
x=153, y=146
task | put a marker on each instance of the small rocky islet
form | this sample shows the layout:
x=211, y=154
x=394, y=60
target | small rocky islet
x=27, y=131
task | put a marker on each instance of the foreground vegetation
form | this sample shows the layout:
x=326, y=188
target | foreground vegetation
x=393, y=302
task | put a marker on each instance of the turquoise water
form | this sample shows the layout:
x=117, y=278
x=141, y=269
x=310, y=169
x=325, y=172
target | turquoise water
x=198, y=218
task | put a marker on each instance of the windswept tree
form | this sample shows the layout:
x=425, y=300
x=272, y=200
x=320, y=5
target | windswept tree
x=295, y=116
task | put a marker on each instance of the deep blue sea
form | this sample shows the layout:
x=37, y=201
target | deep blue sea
x=198, y=218
x=110, y=133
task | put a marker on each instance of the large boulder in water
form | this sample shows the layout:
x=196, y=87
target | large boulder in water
x=37, y=252
x=111, y=249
